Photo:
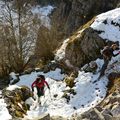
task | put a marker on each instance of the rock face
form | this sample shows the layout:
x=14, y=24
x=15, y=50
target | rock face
x=74, y=13
x=109, y=109
x=15, y=101
x=79, y=52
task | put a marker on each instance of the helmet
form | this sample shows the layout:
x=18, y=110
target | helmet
x=41, y=76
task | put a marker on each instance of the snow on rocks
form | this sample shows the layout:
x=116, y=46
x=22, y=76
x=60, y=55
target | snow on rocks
x=12, y=87
x=108, y=24
x=60, y=54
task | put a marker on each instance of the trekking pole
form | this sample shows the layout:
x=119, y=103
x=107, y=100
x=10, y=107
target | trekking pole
x=50, y=94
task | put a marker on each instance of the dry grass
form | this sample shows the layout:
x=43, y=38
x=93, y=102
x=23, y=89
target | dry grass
x=80, y=32
x=113, y=86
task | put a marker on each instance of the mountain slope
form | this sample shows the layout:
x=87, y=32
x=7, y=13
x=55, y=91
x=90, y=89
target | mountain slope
x=68, y=102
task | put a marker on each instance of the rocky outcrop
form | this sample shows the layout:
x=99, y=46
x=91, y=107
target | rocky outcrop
x=109, y=109
x=79, y=52
x=15, y=101
x=90, y=67
x=71, y=14
x=43, y=117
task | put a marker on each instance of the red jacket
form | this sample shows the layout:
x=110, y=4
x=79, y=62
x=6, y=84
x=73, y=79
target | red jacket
x=39, y=84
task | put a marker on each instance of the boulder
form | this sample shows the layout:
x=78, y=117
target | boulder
x=91, y=67
x=108, y=117
x=114, y=82
x=15, y=101
x=76, y=51
x=4, y=82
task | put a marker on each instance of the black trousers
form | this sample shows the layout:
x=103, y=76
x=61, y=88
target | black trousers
x=40, y=91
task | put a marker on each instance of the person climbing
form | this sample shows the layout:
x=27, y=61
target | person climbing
x=107, y=54
x=39, y=84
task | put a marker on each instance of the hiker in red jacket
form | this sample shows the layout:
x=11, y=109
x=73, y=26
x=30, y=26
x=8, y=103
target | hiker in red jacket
x=40, y=83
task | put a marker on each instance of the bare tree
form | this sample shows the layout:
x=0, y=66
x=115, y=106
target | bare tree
x=22, y=36
x=18, y=33
x=48, y=40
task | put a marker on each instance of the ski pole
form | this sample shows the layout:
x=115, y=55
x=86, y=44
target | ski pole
x=50, y=94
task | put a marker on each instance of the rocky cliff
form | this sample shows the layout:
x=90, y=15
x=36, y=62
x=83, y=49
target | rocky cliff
x=71, y=14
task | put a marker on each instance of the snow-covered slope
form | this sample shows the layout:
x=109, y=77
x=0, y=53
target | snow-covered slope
x=87, y=94
x=109, y=25
x=60, y=54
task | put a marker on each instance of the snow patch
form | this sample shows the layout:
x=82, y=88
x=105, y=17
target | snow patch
x=28, y=79
x=12, y=87
x=4, y=114
x=108, y=23
x=60, y=54
x=13, y=75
